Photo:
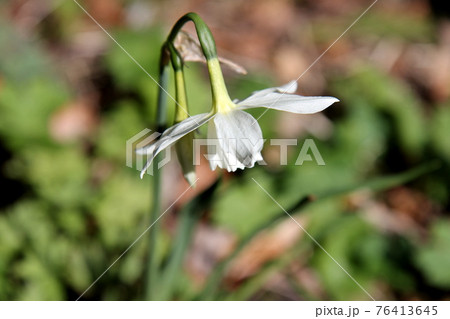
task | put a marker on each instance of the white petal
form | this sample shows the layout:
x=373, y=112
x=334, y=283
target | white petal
x=290, y=87
x=288, y=102
x=171, y=135
x=234, y=141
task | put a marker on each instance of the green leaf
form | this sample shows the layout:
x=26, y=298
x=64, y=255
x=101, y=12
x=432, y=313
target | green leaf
x=433, y=258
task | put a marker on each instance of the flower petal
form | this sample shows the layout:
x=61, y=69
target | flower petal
x=234, y=141
x=290, y=87
x=171, y=135
x=289, y=103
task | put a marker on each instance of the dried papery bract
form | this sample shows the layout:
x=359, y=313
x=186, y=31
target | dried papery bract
x=191, y=51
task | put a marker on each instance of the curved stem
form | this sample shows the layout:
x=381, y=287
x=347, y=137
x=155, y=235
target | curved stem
x=221, y=99
x=167, y=53
x=203, y=32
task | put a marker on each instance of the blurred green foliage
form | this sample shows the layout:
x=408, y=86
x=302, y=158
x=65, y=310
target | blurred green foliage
x=79, y=207
x=434, y=256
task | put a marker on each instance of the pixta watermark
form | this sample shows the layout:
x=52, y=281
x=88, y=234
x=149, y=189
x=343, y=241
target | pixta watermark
x=307, y=150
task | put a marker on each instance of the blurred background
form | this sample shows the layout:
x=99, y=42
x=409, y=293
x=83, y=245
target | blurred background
x=70, y=98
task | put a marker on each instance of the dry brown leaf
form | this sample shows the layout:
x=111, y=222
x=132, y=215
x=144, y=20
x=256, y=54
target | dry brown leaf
x=266, y=246
x=411, y=203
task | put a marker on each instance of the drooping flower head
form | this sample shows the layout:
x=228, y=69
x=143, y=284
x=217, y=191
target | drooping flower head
x=236, y=138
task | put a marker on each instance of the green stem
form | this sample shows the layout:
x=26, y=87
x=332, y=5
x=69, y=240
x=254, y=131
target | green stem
x=188, y=218
x=186, y=224
x=221, y=99
x=203, y=32
x=161, y=120
x=209, y=49
x=164, y=70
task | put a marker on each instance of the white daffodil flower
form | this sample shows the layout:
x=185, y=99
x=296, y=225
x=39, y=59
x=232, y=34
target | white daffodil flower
x=236, y=136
